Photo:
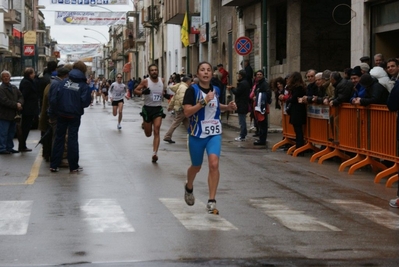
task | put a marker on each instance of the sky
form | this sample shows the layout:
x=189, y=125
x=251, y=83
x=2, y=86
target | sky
x=74, y=34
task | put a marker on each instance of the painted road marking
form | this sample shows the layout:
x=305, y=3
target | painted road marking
x=292, y=219
x=33, y=174
x=196, y=217
x=105, y=216
x=14, y=217
x=34, y=171
x=373, y=213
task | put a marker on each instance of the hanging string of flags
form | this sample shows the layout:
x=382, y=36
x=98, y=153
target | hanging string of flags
x=91, y=2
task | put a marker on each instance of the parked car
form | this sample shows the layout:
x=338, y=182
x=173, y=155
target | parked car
x=16, y=80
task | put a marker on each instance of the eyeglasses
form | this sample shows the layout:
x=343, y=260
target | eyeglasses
x=119, y=77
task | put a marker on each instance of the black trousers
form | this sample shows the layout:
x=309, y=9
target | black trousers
x=26, y=125
x=299, y=135
x=262, y=126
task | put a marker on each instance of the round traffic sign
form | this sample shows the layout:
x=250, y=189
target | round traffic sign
x=243, y=46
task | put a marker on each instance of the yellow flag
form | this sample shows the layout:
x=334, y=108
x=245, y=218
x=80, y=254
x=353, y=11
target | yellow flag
x=184, y=31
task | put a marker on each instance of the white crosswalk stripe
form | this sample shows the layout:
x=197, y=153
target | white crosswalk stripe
x=14, y=217
x=378, y=215
x=105, y=216
x=292, y=219
x=196, y=217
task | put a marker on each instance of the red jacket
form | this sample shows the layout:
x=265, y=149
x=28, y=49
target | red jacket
x=225, y=74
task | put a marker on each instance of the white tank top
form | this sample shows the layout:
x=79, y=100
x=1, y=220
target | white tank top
x=117, y=91
x=154, y=99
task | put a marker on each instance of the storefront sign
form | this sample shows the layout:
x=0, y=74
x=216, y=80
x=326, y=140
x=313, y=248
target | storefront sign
x=30, y=37
x=29, y=50
x=204, y=33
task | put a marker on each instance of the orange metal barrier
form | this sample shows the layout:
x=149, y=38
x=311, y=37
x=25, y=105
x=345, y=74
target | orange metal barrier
x=368, y=132
x=288, y=132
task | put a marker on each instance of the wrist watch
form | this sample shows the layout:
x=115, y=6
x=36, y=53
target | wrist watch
x=202, y=102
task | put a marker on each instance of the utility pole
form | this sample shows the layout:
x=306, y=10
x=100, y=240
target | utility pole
x=152, y=31
x=188, y=47
x=264, y=38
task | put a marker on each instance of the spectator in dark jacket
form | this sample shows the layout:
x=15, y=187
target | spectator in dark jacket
x=68, y=102
x=342, y=92
x=311, y=88
x=216, y=81
x=315, y=91
x=249, y=72
x=393, y=105
x=241, y=93
x=11, y=101
x=262, y=100
x=30, y=108
x=297, y=110
x=44, y=79
x=375, y=93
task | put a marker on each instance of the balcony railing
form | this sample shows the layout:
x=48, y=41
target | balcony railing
x=12, y=17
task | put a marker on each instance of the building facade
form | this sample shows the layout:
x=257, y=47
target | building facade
x=17, y=18
x=286, y=35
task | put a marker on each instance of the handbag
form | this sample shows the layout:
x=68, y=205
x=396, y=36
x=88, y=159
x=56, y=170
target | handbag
x=288, y=108
x=17, y=118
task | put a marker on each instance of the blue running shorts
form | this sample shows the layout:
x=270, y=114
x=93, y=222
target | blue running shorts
x=196, y=147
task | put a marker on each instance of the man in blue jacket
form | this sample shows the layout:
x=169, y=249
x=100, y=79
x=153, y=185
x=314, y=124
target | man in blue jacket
x=68, y=103
x=393, y=105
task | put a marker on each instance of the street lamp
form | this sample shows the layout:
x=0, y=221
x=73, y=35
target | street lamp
x=94, y=5
x=88, y=29
x=85, y=36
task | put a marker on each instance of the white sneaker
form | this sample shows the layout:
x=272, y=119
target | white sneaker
x=239, y=139
x=394, y=203
x=188, y=197
x=119, y=127
x=211, y=207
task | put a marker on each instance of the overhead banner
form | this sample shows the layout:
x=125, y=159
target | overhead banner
x=90, y=2
x=76, y=52
x=90, y=18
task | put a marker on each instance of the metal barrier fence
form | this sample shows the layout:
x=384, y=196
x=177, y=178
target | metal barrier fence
x=360, y=136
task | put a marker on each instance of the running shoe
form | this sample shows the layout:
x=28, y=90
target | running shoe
x=54, y=169
x=188, y=197
x=239, y=139
x=170, y=141
x=154, y=158
x=79, y=169
x=119, y=127
x=211, y=207
x=394, y=203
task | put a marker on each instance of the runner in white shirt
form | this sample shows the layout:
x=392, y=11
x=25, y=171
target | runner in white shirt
x=152, y=112
x=117, y=93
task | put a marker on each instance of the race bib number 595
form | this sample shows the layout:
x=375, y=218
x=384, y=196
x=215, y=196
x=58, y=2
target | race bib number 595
x=211, y=127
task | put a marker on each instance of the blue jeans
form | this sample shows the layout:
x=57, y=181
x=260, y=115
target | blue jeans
x=72, y=125
x=242, y=120
x=7, y=133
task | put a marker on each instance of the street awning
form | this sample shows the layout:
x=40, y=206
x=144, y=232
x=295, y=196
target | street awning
x=127, y=67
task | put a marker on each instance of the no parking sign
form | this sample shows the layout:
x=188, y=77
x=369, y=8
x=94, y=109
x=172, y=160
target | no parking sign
x=243, y=46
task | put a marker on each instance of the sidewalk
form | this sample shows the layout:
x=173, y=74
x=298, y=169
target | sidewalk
x=232, y=121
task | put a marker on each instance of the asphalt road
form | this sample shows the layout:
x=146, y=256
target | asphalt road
x=123, y=210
